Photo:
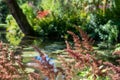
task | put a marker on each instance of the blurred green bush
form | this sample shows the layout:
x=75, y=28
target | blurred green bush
x=100, y=19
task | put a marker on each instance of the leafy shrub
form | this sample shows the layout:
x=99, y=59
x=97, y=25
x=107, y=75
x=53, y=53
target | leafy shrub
x=29, y=11
x=3, y=11
x=13, y=34
x=59, y=19
x=108, y=32
x=91, y=15
x=105, y=30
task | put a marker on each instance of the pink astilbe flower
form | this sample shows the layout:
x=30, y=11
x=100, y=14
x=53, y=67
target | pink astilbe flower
x=113, y=70
x=82, y=54
x=34, y=76
x=11, y=68
x=7, y=67
x=45, y=65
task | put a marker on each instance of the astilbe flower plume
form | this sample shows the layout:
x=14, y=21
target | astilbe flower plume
x=45, y=65
x=82, y=53
x=8, y=70
x=11, y=66
x=114, y=70
x=81, y=56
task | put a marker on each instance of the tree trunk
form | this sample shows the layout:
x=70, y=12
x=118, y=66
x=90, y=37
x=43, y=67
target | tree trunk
x=20, y=18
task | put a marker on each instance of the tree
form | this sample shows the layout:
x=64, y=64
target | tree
x=20, y=18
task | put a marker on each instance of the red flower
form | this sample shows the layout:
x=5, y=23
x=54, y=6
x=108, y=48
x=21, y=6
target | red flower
x=42, y=14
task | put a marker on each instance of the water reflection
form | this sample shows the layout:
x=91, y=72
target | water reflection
x=44, y=44
x=27, y=40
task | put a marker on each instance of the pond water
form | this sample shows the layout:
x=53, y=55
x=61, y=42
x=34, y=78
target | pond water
x=43, y=43
x=49, y=46
x=46, y=45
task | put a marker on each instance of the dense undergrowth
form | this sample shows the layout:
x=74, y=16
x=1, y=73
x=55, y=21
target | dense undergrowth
x=82, y=63
x=98, y=18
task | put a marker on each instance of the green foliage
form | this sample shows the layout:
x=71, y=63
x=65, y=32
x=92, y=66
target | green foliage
x=97, y=18
x=3, y=11
x=113, y=11
x=29, y=11
x=60, y=7
x=93, y=25
x=21, y=1
x=109, y=32
x=56, y=26
x=104, y=29
x=117, y=47
x=85, y=71
x=64, y=14
x=13, y=33
x=57, y=22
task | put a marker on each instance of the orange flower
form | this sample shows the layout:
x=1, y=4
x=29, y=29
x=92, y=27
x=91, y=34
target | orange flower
x=42, y=14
